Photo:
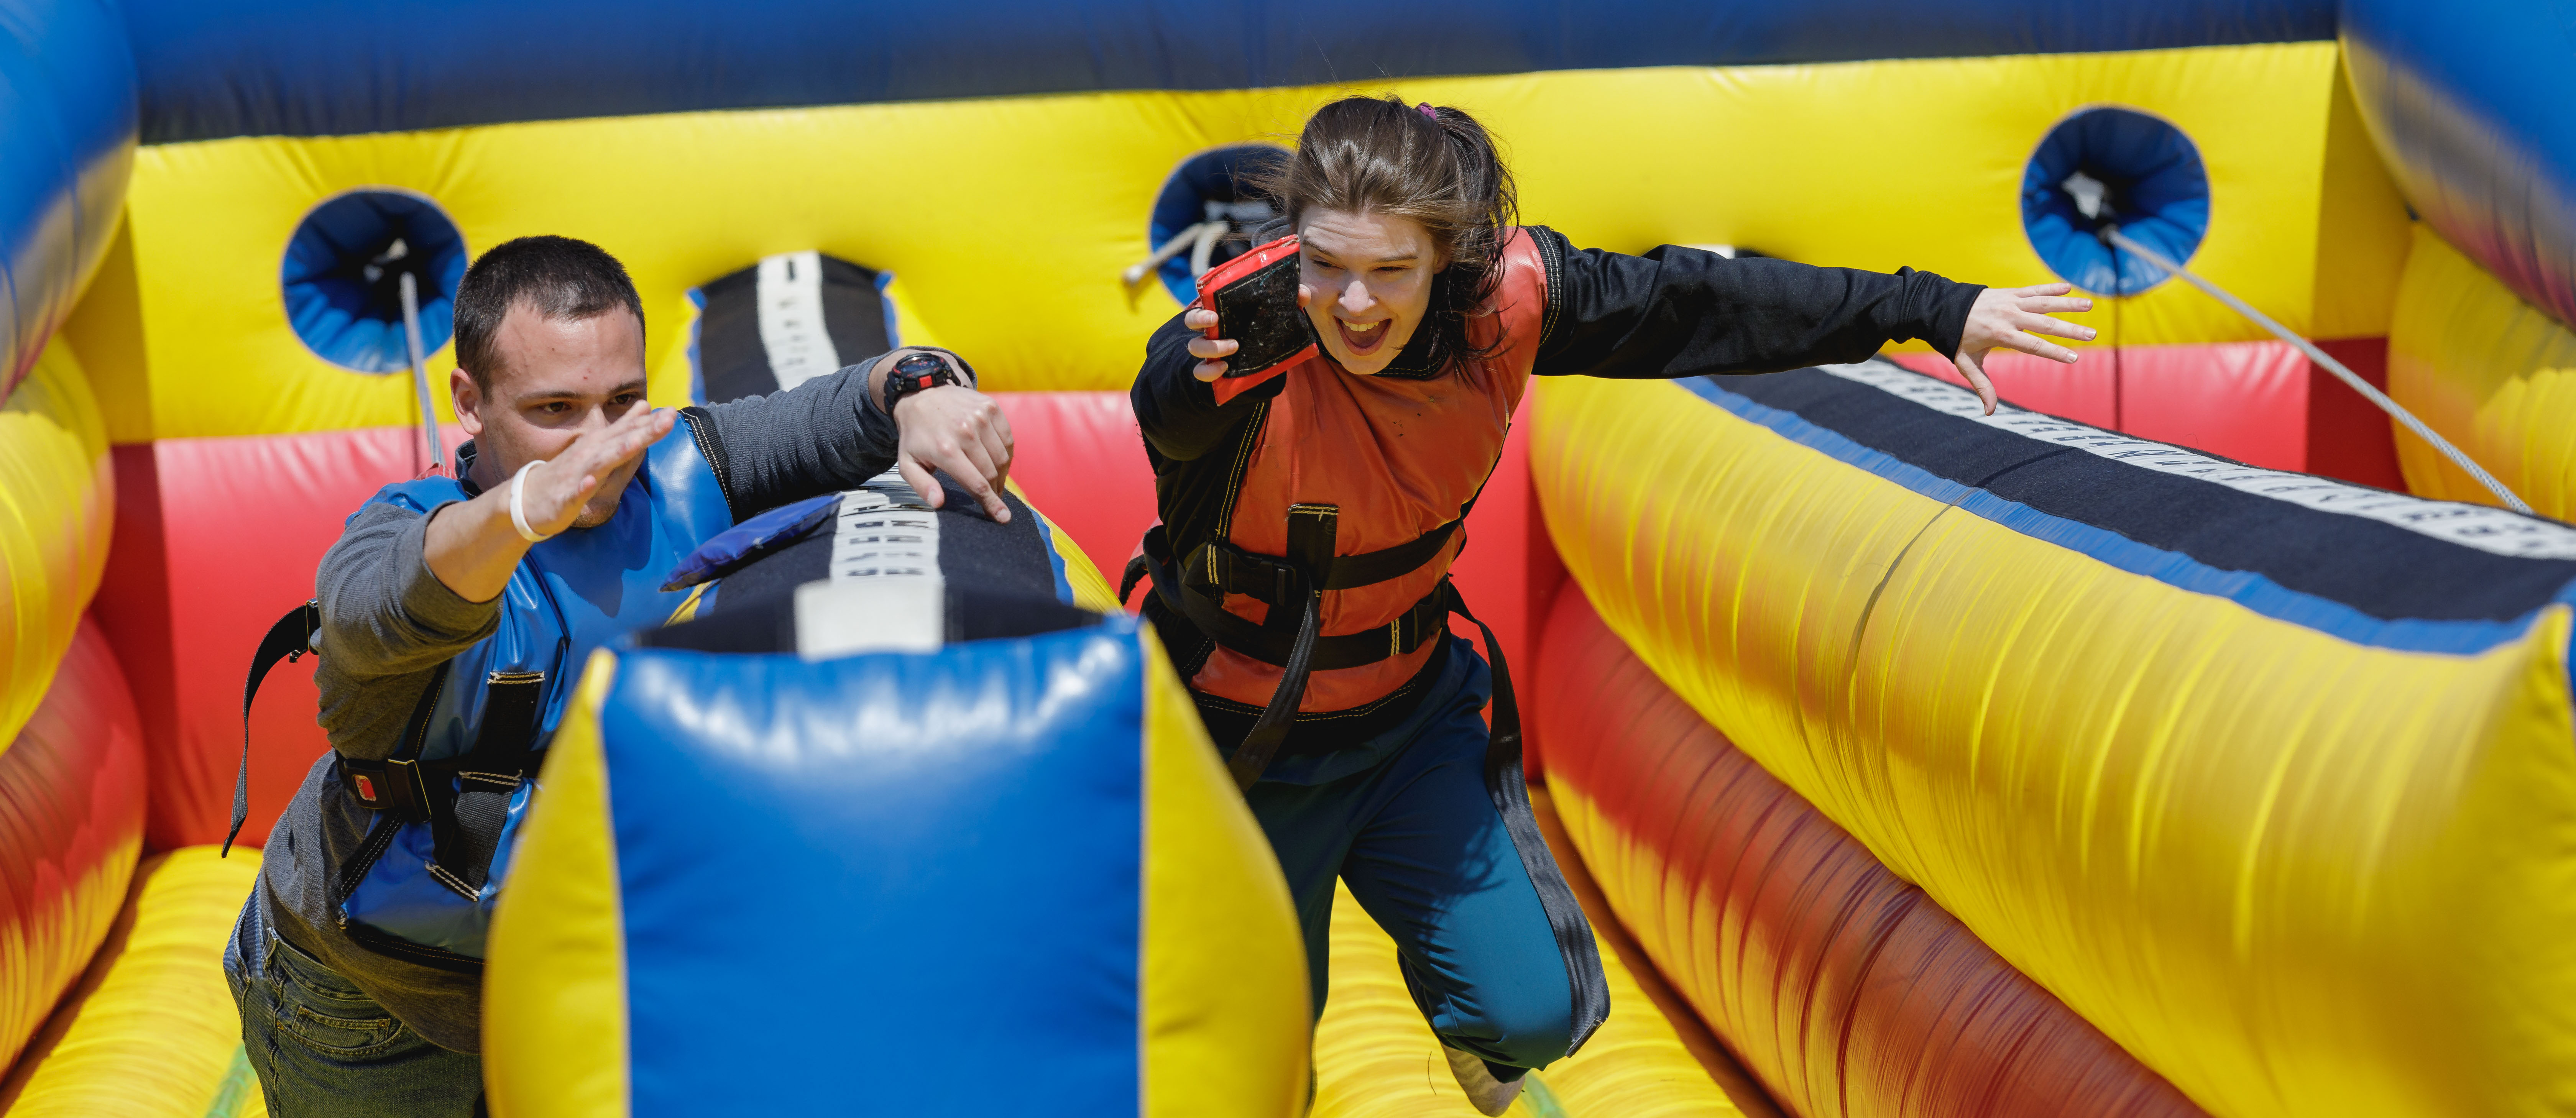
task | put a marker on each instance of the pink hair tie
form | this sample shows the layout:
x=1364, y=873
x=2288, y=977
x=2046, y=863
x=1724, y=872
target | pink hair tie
x=1429, y=113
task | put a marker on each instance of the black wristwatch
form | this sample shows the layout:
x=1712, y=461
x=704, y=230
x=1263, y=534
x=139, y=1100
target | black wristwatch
x=916, y=372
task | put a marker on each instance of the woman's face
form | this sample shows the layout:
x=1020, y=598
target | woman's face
x=1370, y=276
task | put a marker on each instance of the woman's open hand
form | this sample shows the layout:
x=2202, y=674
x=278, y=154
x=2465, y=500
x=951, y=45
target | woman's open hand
x=1211, y=352
x=2012, y=320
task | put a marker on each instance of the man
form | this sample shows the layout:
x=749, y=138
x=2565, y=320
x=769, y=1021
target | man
x=452, y=612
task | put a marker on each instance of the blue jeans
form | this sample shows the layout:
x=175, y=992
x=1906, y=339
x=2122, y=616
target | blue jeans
x=322, y=1047
x=1427, y=850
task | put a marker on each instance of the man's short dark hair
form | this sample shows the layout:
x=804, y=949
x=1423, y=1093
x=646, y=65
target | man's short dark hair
x=557, y=277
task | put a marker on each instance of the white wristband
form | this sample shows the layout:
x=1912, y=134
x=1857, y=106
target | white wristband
x=519, y=512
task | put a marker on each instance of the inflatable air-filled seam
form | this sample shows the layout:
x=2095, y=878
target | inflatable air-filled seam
x=2463, y=104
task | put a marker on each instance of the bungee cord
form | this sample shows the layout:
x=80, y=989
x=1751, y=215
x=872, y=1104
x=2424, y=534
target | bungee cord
x=2112, y=234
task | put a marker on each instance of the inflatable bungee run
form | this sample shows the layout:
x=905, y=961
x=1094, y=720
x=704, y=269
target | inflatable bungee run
x=2185, y=738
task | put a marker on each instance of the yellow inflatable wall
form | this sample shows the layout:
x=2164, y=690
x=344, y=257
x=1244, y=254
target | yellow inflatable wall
x=1871, y=165
x=2494, y=374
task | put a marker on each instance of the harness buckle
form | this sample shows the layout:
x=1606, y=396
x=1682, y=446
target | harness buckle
x=1286, y=586
x=407, y=793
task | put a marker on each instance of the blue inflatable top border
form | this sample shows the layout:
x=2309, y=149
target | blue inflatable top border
x=2468, y=104
x=67, y=111
x=339, y=67
x=2253, y=591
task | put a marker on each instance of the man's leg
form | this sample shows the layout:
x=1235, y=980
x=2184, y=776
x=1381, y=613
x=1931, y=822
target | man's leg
x=1439, y=868
x=323, y=1048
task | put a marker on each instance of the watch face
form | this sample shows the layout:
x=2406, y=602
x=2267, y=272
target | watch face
x=920, y=364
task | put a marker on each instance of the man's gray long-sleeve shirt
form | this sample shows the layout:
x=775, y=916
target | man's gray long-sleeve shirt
x=387, y=623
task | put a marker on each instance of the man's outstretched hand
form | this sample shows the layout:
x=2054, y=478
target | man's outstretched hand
x=472, y=548
x=559, y=490
x=2012, y=319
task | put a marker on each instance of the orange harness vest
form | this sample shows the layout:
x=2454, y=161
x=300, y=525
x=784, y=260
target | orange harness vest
x=1363, y=480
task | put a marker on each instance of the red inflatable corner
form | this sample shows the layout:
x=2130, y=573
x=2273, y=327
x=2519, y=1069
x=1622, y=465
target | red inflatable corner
x=2260, y=403
x=1080, y=459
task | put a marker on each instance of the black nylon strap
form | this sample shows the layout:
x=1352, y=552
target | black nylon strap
x=465, y=825
x=1270, y=731
x=1137, y=568
x=1275, y=643
x=1223, y=566
x=288, y=639
x=1508, y=786
x=395, y=787
x=1312, y=531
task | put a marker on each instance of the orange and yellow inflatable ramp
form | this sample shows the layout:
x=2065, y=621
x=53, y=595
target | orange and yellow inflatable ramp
x=2271, y=779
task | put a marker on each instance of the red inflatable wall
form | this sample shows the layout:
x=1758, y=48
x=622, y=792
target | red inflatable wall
x=2261, y=403
x=215, y=538
x=1845, y=990
x=71, y=827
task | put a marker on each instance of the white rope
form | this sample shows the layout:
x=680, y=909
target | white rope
x=419, y=368
x=1135, y=274
x=1210, y=232
x=2331, y=365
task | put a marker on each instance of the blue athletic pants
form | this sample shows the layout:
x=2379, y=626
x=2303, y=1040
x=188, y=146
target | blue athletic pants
x=1495, y=950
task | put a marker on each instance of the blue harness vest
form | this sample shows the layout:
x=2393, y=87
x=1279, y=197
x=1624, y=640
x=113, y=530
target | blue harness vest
x=451, y=796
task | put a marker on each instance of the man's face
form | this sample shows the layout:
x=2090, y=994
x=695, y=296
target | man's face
x=559, y=379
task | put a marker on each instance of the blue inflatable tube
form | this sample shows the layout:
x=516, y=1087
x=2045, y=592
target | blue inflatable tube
x=340, y=67
x=2469, y=104
x=67, y=112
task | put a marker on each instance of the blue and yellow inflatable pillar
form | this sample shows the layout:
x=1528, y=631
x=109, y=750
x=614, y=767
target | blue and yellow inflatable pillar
x=1010, y=872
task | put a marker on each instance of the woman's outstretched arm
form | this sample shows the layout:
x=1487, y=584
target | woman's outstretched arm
x=1678, y=312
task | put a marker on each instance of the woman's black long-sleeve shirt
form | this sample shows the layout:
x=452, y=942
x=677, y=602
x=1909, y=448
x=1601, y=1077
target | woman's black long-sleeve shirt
x=1674, y=312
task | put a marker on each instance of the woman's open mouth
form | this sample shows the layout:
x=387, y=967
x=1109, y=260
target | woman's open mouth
x=1360, y=339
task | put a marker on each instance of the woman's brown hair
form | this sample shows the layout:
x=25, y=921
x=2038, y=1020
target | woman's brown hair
x=1436, y=166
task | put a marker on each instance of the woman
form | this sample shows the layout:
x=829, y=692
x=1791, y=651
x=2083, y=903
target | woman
x=1309, y=519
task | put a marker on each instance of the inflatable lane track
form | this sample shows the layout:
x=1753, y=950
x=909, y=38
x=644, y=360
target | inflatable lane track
x=2270, y=778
